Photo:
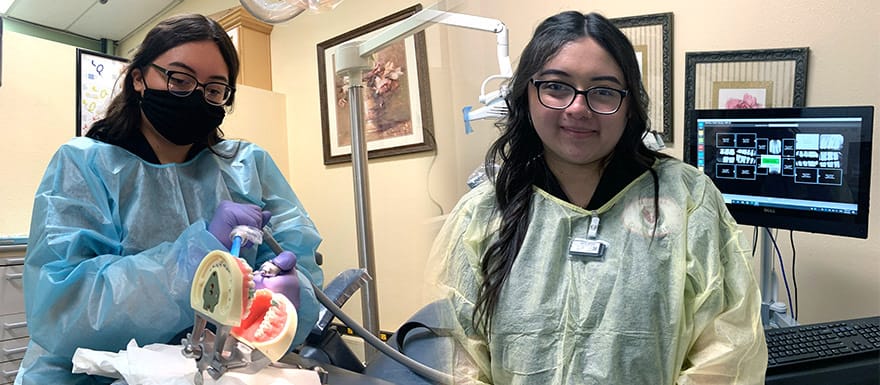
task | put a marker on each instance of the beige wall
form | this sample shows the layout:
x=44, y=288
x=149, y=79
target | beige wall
x=38, y=114
x=837, y=277
x=207, y=7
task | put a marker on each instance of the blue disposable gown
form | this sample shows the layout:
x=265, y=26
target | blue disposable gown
x=115, y=241
x=671, y=304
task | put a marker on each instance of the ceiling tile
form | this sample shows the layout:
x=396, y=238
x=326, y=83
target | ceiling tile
x=52, y=13
x=113, y=21
x=118, y=18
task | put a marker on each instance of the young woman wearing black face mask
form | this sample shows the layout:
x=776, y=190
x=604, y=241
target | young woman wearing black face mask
x=162, y=103
x=123, y=217
x=183, y=113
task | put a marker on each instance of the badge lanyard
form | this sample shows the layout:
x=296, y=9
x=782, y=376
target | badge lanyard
x=589, y=249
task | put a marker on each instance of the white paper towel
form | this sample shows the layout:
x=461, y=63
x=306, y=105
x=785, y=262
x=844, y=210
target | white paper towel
x=165, y=364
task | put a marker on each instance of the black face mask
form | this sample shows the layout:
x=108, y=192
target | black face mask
x=181, y=120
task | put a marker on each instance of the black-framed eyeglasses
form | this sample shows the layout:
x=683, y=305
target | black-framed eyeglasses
x=183, y=84
x=559, y=95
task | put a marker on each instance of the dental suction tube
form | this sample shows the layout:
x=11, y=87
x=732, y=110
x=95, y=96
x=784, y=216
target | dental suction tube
x=417, y=367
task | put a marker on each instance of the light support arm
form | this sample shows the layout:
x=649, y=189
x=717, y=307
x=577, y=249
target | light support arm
x=427, y=17
x=494, y=104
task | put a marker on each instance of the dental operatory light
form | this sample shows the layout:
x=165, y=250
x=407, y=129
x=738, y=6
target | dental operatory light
x=318, y=6
x=653, y=140
x=494, y=105
x=279, y=11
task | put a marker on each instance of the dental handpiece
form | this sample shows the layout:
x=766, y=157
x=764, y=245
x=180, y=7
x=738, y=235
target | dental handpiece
x=243, y=235
x=269, y=269
x=236, y=246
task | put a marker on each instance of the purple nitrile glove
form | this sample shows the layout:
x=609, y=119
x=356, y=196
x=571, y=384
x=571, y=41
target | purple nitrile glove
x=282, y=280
x=230, y=214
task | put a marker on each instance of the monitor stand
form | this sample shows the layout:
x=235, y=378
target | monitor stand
x=773, y=313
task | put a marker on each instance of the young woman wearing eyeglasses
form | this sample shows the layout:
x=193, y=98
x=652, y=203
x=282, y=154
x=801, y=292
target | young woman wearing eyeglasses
x=587, y=258
x=123, y=217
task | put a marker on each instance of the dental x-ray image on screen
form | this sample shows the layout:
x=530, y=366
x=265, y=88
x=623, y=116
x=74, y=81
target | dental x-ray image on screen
x=803, y=169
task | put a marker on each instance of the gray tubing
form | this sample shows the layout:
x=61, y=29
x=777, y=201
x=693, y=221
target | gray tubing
x=417, y=367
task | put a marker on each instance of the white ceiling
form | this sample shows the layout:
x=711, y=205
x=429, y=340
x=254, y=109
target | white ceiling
x=97, y=19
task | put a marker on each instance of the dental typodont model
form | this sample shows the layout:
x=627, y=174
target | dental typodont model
x=223, y=294
x=270, y=325
x=223, y=288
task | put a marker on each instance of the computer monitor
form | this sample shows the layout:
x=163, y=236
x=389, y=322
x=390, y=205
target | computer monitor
x=802, y=169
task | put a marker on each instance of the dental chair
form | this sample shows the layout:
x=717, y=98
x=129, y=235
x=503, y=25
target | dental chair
x=324, y=343
x=422, y=339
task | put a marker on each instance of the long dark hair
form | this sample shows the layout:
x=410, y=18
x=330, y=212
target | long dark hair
x=519, y=150
x=123, y=117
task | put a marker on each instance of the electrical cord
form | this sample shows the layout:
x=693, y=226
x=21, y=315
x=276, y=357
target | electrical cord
x=782, y=268
x=796, y=308
x=430, y=169
x=754, y=241
x=417, y=367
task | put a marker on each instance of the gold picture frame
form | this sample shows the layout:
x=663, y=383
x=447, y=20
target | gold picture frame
x=651, y=37
x=397, y=96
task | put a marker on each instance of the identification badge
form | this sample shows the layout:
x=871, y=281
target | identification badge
x=588, y=249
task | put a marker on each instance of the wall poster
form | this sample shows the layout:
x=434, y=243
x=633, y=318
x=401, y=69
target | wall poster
x=96, y=84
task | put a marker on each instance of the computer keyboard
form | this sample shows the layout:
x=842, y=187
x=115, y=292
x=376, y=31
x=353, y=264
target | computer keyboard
x=829, y=341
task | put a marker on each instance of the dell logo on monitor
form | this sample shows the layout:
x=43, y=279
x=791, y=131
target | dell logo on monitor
x=769, y=210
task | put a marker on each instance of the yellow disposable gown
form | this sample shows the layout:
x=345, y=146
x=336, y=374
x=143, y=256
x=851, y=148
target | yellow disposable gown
x=675, y=304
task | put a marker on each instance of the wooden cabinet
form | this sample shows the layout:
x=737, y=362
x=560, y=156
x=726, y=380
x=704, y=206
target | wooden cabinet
x=251, y=38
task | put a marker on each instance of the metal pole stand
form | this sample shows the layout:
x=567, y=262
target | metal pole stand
x=350, y=63
x=773, y=313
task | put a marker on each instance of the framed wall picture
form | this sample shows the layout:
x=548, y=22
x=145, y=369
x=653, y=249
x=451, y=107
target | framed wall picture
x=651, y=36
x=97, y=82
x=744, y=79
x=396, y=95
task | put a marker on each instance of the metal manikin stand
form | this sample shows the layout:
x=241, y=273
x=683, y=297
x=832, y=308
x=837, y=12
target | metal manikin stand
x=773, y=313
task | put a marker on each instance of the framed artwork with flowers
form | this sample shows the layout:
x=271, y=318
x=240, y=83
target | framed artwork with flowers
x=396, y=95
x=744, y=79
